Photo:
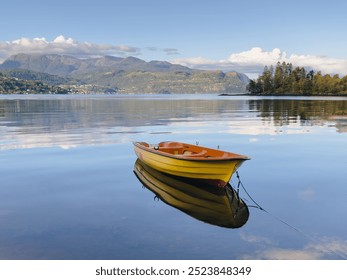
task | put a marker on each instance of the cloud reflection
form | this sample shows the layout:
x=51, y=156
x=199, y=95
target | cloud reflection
x=323, y=248
x=32, y=137
x=13, y=138
x=307, y=194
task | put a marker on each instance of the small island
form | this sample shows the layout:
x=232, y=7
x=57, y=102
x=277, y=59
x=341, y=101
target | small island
x=284, y=79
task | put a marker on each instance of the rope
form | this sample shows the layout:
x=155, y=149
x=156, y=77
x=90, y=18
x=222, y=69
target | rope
x=243, y=187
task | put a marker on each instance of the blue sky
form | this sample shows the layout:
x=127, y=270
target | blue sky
x=220, y=34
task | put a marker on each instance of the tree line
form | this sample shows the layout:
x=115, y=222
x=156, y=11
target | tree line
x=285, y=79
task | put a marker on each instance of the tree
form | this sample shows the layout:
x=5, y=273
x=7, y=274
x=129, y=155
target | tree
x=279, y=78
x=254, y=87
x=288, y=80
x=266, y=80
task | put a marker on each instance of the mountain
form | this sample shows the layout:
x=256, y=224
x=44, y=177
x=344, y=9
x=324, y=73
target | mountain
x=63, y=65
x=53, y=64
x=127, y=75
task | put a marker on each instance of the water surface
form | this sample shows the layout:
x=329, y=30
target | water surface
x=68, y=190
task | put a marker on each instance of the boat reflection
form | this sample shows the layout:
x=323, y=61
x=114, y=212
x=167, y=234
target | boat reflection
x=217, y=206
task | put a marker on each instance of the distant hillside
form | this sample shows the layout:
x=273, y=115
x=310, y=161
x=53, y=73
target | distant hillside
x=11, y=85
x=170, y=82
x=63, y=65
x=24, y=74
x=124, y=75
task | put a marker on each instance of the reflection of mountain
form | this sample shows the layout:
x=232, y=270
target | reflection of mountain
x=60, y=113
x=42, y=121
x=56, y=114
x=28, y=121
x=218, y=206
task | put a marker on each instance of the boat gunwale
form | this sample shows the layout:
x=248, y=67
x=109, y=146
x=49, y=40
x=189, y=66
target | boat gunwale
x=192, y=158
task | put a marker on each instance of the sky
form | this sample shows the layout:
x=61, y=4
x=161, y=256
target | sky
x=243, y=35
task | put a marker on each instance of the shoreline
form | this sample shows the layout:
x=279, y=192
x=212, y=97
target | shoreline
x=168, y=94
x=286, y=95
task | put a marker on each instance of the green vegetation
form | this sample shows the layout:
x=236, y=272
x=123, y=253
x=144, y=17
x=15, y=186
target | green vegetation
x=169, y=82
x=285, y=79
x=24, y=74
x=10, y=85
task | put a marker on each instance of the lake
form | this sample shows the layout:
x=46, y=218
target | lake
x=68, y=188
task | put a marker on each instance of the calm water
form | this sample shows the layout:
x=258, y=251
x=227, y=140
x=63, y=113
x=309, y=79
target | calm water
x=68, y=188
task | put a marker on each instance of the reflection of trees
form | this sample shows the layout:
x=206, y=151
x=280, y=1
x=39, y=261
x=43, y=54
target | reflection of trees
x=307, y=112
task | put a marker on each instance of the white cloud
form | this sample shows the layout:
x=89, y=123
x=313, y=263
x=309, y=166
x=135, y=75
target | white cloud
x=253, y=61
x=257, y=56
x=62, y=45
x=325, y=64
x=62, y=40
x=195, y=61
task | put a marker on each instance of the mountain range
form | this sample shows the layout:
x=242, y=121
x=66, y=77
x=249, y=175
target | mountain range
x=123, y=75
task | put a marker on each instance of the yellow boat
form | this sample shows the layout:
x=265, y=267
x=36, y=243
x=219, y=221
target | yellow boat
x=190, y=161
x=217, y=206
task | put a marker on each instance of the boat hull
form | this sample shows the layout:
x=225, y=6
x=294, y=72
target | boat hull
x=216, y=172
